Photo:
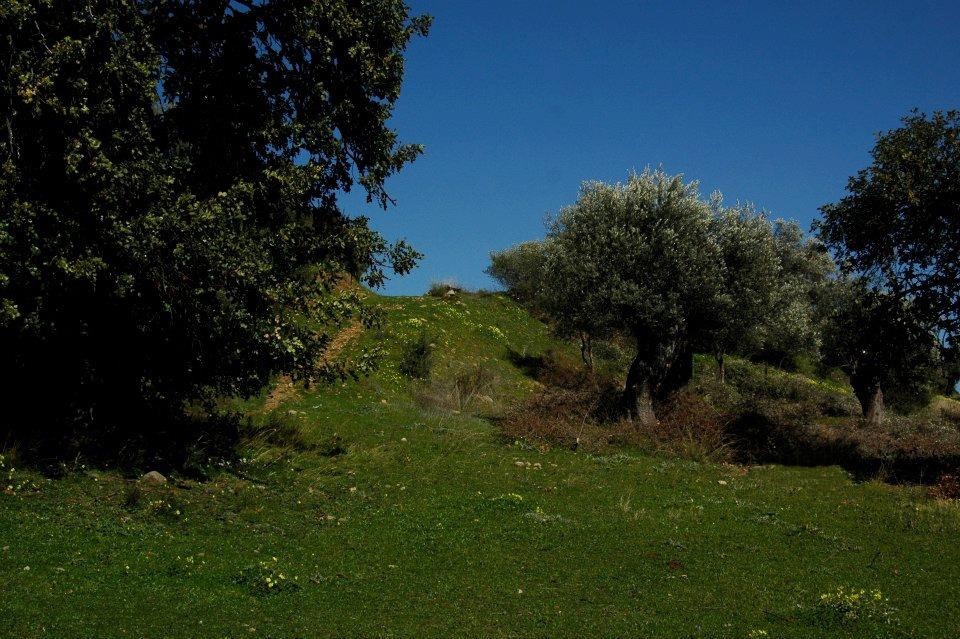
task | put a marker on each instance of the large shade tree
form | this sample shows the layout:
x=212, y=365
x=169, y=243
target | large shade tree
x=899, y=223
x=169, y=181
x=898, y=228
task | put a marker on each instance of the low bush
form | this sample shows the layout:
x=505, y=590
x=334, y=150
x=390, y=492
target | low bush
x=565, y=417
x=912, y=449
x=462, y=389
x=188, y=444
x=416, y=358
x=691, y=428
x=752, y=382
x=947, y=487
x=132, y=497
x=756, y=416
x=581, y=409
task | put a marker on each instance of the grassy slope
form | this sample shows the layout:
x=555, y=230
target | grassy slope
x=428, y=527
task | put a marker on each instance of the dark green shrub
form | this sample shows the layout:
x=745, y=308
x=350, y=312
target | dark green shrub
x=416, y=358
x=132, y=497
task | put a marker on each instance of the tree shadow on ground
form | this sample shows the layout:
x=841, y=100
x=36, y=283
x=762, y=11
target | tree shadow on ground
x=758, y=439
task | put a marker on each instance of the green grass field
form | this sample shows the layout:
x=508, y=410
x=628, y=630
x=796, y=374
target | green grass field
x=430, y=525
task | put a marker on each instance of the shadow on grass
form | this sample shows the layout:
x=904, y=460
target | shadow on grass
x=532, y=366
x=759, y=439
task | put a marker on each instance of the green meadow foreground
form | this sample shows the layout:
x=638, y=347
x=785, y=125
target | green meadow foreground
x=394, y=520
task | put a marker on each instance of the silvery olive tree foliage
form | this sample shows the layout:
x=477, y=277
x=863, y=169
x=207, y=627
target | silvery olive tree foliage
x=652, y=261
x=169, y=173
x=801, y=304
x=520, y=270
x=637, y=258
x=750, y=273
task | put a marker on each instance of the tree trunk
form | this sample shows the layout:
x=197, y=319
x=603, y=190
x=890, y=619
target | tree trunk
x=637, y=395
x=586, y=350
x=870, y=396
x=721, y=366
x=659, y=369
x=676, y=364
x=874, y=409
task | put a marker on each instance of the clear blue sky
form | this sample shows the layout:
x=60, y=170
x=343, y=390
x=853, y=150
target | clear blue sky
x=519, y=102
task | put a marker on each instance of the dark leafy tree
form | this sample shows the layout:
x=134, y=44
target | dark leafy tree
x=950, y=368
x=882, y=343
x=899, y=225
x=169, y=174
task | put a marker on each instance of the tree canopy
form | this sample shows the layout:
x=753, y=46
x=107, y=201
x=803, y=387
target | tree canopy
x=795, y=325
x=169, y=177
x=899, y=223
x=749, y=275
x=520, y=270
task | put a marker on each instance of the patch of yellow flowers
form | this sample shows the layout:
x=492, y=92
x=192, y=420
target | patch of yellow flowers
x=857, y=604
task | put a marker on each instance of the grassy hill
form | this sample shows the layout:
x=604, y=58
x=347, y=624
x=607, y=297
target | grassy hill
x=397, y=509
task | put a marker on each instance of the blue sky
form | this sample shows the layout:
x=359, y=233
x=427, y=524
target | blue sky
x=519, y=102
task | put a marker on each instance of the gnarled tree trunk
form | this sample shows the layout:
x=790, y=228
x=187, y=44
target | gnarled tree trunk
x=586, y=350
x=678, y=371
x=870, y=396
x=657, y=370
x=874, y=410
x=637, y=391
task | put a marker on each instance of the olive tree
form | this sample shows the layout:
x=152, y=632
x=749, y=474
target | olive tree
x=522, y=270
x=519, y=269
x=800, y=304
x=638, y=258
x=750, y=277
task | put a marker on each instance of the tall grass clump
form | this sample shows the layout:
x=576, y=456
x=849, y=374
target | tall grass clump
x=461, y=390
